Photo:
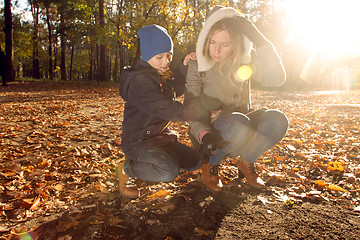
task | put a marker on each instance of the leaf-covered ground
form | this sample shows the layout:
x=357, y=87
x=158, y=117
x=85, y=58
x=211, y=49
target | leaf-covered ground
x=60, y=142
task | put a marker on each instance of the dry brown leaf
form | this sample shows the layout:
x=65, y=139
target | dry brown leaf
x=321, y=183
x=160, y=194
x=66, y=237
x=335, y=166
x=200, y=231
x=276, y=179
x=63, y=226
x=9, y=174
x=333, y=187
x=169, y=238
x=114, y=221
x=27, y=203
x=59, y=187
x=167, y=206
x=36, y=204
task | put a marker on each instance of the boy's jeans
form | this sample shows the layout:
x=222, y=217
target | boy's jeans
x=163, y=164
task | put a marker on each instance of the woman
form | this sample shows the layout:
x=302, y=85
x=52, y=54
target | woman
x=220, y=81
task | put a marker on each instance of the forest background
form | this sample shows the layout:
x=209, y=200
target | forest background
x=95, y=39
x=60, y=137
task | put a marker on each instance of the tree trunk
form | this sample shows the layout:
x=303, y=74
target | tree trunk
x=116, y=63
x=50, y=44
x=118, y=56
x=122, y=57
x=97, y=62
x=109, y=62
x=102, y=68
x=9, y=65
x=63, y=48
x=91, y=61
x=36, y=64
x=137, y=54
x=71, y=61
x=24, y=69
x=55, y=60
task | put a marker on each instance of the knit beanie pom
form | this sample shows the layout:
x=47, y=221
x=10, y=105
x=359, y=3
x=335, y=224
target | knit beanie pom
x=154, y=40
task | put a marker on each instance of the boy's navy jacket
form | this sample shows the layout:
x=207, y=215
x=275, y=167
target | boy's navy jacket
x=150, y=105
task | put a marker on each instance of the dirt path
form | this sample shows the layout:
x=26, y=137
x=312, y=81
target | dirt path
x=60, y=143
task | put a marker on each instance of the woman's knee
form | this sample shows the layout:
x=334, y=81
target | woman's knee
x=274, y=122
x=235, y=130
x=233, y=126
x=277, y=118
x=156, y=165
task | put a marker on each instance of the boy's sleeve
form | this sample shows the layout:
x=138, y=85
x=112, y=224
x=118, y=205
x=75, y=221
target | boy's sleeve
x=146, y=95
x=180, y=78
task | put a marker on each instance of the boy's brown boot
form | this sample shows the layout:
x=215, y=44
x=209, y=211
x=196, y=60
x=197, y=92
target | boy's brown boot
x=252, y=178
x=210, y=176
x=130, y=192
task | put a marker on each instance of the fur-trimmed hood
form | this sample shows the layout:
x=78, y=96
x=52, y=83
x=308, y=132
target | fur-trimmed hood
x=216, y=15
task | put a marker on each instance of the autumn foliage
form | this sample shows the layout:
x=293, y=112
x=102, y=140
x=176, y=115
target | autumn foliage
x=61, y=141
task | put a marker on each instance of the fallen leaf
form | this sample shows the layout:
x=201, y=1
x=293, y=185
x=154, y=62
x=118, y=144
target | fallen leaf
x=36, y=204
x=27, y=203
x=333, y=187
x=291, y=148
x=168, y=206
x=65, y=225
x=114, y=221
x=263, y=200
x=321, y=183
x=335, y=166
x=9, y=174
x=160, y=194
x=200, y=231
x=59, y=187
x=66, y=237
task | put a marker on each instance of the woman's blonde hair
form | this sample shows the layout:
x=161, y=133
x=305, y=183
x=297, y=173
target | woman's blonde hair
x=238, y=57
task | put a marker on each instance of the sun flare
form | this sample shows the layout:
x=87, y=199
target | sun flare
x=327, y=26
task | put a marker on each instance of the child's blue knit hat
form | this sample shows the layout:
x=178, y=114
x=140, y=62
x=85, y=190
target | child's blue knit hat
x=154, y=40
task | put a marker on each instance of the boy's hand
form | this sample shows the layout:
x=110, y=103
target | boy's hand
x=214, y=113
x=191, y=56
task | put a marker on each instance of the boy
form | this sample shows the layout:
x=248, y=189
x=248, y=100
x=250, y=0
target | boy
x=152, y=150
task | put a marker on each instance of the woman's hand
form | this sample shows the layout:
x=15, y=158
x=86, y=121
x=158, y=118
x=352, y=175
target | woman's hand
x=208, y=144
x=190, y=56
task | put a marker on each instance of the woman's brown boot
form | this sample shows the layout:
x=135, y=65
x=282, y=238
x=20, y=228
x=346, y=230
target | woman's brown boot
x=252, y=178
x=130, y=192
x=210, y=176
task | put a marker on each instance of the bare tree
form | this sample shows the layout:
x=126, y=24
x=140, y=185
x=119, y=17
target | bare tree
x=9, y=66
x=62, y=47
x=102, y=74
x=50, y=43
x=35, y=9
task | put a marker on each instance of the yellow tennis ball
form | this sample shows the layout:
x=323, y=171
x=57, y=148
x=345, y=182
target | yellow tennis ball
x=244, y=73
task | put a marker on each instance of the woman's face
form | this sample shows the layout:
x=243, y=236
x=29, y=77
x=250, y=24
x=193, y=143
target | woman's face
x=220, y=45
x=161, y=61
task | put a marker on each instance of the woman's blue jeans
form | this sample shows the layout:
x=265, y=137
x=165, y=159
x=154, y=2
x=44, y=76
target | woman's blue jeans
x=249, y=135
x=163, y=164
